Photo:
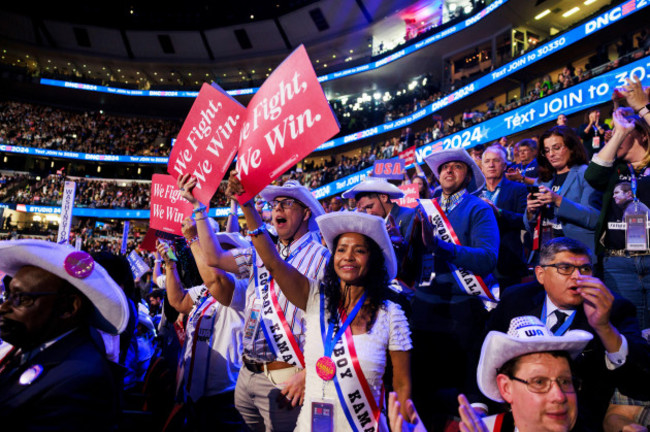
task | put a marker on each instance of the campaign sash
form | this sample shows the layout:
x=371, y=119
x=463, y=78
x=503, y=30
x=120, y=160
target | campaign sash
x=352, y=388
x=470, y=283
x=277, y=330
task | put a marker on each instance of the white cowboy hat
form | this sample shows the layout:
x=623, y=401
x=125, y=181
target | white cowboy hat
x=336, y=223
x=526, y=335
x=437, y=159
x=374, y=185
x=145, y=320
x=235, y=240
x=111, y=311
x=293, y=189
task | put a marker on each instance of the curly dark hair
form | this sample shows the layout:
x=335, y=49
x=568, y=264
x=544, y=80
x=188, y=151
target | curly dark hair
x=375, y=283
x=571, y=140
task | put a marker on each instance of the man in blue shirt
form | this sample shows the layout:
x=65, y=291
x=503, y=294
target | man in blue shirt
x=448, y=311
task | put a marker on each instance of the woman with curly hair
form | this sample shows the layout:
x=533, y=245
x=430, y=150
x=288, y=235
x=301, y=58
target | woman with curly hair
x=352, y=328
x=565, y=205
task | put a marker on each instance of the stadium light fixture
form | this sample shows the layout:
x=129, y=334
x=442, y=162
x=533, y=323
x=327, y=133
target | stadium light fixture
x=570, y=12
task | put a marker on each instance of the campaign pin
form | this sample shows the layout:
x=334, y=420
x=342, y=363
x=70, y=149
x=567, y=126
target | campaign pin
x=79, y=264
x=325, y=368
x=30, y=375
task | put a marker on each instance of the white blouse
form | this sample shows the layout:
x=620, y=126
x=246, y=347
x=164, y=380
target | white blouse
x=390, y=332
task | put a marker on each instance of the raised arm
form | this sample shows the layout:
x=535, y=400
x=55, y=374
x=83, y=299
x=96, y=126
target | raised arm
x=294, y=285
x=213, y=253
x=220, y=284
x=176, y=294
x=232, y=225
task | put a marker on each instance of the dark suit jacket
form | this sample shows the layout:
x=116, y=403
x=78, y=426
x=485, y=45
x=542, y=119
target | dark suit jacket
x=511, y=200
x=75, y=391
x=598, y=382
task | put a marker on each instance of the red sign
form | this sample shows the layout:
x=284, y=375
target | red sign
x=208, y=140
x=286, y=120
x=408, y=155
x=168, y=207
x=389, y=169
x=411, y=195
x=149, y=241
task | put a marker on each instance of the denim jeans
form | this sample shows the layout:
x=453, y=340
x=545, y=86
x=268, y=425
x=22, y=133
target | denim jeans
x=630, y=277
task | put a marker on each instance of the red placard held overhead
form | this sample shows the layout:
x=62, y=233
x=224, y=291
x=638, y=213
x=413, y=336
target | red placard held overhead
x=286, y=120
x=208, y=140
x=168, y=207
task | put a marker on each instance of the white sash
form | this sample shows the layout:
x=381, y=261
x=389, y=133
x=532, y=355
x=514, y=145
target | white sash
x=468, y=281
x=354, y=393
x=277, y=330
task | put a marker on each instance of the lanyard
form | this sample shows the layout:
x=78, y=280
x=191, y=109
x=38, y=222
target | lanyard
x=633, y=184
x=564, y=327
x=328, y=340
x=289, y=258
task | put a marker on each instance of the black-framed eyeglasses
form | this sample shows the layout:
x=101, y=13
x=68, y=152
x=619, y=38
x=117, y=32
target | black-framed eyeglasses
x=543, y=384
x=285, y=203
x=22, y=299
x=567, y=269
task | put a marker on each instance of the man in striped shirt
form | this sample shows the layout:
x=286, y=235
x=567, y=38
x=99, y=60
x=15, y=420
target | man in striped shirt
x=271, y=383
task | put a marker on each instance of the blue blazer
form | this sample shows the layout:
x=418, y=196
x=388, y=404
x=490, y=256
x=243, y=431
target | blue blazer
x=579, y=210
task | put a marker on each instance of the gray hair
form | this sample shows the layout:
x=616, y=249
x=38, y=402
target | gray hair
x=562, y=244
x=496, y=149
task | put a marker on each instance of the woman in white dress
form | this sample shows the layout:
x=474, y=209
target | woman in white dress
x=351, y=327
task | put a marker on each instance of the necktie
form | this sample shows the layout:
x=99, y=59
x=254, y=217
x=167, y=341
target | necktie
x=561, y=317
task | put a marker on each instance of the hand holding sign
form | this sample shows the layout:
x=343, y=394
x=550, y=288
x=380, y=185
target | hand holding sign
x=186, y=184
x=235, y=188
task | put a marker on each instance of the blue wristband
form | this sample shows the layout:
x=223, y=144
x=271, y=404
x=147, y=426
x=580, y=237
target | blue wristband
x=257, y=231
x=199, y=209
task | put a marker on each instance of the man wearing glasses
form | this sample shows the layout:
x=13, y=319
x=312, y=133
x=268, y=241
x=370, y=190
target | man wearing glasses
x=528, y=368
x=271, y=383
x=567, y=297
x=57, y=377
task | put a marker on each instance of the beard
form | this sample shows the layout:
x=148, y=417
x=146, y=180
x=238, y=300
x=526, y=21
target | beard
x=13, y=332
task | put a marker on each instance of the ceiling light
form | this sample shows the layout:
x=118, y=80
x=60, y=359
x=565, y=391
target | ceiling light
x=541, y=15
x=570, y=12
x=588, y=2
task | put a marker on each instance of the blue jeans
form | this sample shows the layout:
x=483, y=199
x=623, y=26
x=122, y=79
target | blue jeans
x=630, y=277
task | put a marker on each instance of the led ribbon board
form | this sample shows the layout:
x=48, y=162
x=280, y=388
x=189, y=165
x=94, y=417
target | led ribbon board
x=601, y=21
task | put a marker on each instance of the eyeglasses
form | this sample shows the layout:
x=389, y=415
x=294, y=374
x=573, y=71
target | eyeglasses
x=285, y=204
x=22, y=299
x=554, y=149
x=543, y=384
x=568, y=269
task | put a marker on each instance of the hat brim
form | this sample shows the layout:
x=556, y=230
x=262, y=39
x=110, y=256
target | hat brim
x=336, y=223
x=374, y=185
x=498, y=348
x=235, y=240
x=437, y=159
x=300, y=193
x=111, y=311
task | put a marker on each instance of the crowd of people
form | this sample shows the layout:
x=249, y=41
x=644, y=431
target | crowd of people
x=512, y=298
x=54, y=128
